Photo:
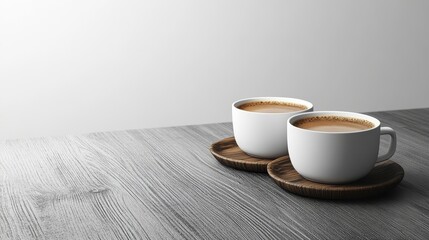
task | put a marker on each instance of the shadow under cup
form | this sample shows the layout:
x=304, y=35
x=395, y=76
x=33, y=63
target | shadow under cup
x=336, y=157
x=262, y=134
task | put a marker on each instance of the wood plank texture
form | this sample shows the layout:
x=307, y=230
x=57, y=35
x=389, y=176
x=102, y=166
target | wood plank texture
x=165, y=184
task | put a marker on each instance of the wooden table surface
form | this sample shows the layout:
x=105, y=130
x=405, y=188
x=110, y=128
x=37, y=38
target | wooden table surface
x=164, y=184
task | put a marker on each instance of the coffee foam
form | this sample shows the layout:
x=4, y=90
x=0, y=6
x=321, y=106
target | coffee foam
x=334, y=119
x=270, y=102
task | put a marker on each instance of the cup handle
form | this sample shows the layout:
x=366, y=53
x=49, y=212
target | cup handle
x=392, y=148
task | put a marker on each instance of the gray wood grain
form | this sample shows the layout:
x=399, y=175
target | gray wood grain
x=164, y=184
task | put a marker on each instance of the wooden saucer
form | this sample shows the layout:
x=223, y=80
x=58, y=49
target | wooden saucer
x=227, y=152
x=383, y=177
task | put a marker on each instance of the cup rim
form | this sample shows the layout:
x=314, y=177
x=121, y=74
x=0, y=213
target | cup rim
x=299, y=116
x=239, y=102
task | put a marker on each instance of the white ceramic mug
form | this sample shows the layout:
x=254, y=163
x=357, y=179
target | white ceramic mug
x=263, y=135
x=336, y=157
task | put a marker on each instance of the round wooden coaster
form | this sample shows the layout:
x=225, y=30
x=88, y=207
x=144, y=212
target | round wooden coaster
x=227, y=152
x=383, y=177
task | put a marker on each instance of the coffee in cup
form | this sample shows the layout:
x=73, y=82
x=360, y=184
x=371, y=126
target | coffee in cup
x=272, y=107
x=336, y=147
x=260, y=124
x=333, y=124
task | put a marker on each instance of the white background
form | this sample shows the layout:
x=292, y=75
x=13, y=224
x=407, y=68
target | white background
x=69, y=67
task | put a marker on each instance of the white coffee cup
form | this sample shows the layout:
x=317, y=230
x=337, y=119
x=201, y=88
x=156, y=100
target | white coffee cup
x=336, y=157
x=263, y=135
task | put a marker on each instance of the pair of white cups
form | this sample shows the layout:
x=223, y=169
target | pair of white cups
x=326, y=157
